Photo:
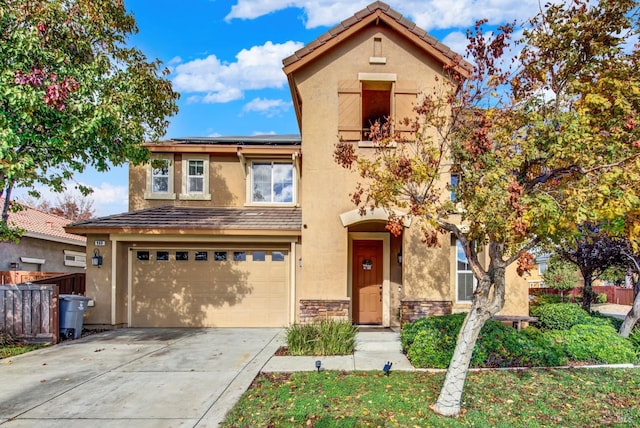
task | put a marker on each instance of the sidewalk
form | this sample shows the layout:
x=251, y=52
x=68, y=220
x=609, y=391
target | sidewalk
x=612, y=309
x=374, y=348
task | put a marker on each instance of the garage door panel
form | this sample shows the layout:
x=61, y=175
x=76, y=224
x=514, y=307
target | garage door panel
x=210, y=293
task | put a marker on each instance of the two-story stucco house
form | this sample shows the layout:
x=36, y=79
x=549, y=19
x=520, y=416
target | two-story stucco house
x=261, y=231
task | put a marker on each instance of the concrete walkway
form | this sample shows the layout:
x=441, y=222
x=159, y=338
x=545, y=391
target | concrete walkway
x=374, y=347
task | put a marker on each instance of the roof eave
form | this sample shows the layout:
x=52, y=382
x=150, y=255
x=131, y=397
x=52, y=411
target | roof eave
x=411, y=33
x=185, y=232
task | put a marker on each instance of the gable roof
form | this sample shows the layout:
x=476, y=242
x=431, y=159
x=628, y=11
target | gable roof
x=41, y=225
x=373, y=14
x=198, y=220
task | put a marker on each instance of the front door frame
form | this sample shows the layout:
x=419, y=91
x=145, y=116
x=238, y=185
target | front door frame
x=386, y=258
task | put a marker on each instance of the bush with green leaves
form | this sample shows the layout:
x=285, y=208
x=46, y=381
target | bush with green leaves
x=601, y=298
x=560, y=316
x=325, y=337
x=429, y=342
x=634, y=338
x=447, y=325
x=544, y=299
x=597, y=344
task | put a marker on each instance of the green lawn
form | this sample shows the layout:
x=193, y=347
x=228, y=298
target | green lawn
x=529, y=398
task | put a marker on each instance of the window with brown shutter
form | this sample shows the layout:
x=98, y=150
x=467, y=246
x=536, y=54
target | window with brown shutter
x=362, y=102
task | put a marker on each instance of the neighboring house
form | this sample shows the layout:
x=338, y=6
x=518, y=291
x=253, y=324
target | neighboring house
x=261, y=231
x=45, y=247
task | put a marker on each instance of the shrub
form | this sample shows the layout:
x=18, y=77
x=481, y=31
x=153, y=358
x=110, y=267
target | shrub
x=598, y=318
x=326, y=337
x=596, y=344
x=560, y=316
x=601, y=298
x=634, y=338
x=431, y=349
x=446, y=325
x=432, y=340
x=545, y=299
x=503, y=346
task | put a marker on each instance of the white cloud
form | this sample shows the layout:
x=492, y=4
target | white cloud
x=214, y=81
x=267, y=107
x=456, y=41
x=264, y=133
x=427, y=14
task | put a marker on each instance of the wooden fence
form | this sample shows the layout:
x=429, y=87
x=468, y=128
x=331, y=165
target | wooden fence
x=30, y=312
x=617, y=295
x=70, y=283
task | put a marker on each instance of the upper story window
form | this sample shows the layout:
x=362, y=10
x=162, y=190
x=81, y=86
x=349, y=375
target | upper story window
x=374, y=97
x=160, y=177
x=195, y=177
x=272, y=182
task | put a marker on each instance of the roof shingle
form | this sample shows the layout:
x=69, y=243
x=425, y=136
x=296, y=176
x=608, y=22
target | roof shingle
x=365, y=14
x=198, y=218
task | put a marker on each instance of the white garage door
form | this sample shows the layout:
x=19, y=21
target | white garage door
x=206, y=287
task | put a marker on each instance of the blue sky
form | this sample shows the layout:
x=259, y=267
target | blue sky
x=226, y=57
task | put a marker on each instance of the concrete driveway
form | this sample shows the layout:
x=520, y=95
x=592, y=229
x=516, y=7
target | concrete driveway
x=134, y=377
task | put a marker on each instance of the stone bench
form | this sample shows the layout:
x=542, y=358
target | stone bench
x=515, y=320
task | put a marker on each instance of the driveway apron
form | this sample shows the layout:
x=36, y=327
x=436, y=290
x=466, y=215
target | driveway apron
x=135, y=377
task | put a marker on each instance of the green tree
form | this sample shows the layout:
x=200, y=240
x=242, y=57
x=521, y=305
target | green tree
x=560, y=275
x=539, y=148
x=72, y=93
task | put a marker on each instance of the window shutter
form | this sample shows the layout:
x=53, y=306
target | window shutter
x=405, y=95
x=349, y=110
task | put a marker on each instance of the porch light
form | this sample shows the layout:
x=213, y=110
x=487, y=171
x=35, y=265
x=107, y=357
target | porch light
x=400, y=256
x=387, y=368
x=96, y=260
x=318, y=364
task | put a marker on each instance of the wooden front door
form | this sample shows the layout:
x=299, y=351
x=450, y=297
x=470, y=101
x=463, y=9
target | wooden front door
x=367, y=282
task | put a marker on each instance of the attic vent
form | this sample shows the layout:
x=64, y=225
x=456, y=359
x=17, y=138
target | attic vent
x=377, y=57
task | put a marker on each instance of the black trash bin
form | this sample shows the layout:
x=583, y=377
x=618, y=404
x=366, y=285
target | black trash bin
x=72, y=309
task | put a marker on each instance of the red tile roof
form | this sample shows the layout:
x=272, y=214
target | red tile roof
x=39, y=224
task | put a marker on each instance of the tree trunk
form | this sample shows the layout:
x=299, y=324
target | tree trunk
x=634, y=314
x=448, y=403
x=587, y=293
x=488, y=300
x=7, y=203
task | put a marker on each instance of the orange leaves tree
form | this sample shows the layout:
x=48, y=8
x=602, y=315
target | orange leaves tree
x=542, y=135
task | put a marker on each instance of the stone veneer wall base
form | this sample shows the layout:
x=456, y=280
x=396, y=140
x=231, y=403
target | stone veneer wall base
x=317, y=309
x=411, y=310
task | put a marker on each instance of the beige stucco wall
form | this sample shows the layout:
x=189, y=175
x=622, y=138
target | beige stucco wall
x=326, y=185
x=98, y=282
x=516, y=293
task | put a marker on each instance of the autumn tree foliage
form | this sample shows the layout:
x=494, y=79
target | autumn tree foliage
x=542, y=140
x=72, y=93
x=74, y=207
